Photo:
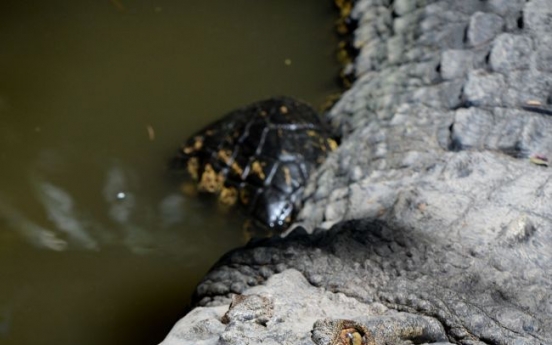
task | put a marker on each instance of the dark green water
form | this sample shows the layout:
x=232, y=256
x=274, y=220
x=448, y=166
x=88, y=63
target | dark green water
x=97, y=245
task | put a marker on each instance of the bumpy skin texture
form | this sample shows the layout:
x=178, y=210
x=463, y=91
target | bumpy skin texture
x=496, y=298
x=260, y=157
x=437, y=202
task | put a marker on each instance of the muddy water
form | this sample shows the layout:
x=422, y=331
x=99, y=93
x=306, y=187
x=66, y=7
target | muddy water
x=97, y=246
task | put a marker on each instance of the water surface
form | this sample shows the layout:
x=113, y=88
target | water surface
x=97, y=244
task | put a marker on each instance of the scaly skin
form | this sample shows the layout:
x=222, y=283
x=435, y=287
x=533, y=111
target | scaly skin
x=436, y=205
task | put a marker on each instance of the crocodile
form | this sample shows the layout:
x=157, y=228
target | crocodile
x=431, y=222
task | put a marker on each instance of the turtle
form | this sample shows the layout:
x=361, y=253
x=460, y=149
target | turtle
x=259, y=157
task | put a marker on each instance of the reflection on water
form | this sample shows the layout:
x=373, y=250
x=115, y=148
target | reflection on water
x=136, y=222
x=97, y=244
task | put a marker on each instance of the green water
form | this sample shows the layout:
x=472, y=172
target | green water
x=97, y=245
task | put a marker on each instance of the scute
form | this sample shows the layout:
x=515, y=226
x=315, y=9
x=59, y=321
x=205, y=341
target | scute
x=259, y=157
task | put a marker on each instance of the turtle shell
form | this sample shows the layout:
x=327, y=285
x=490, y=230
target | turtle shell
x=260, y=157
